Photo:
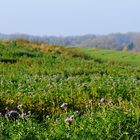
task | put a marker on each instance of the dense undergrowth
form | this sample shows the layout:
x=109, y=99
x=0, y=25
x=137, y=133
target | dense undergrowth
x=46, y=85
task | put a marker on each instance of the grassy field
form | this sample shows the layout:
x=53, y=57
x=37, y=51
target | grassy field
x=53, y=92
x=114, y=56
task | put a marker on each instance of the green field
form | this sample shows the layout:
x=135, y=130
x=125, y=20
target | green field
x=101, y=88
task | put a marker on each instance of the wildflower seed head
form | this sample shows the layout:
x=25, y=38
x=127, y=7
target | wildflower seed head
x=64, y=105
x=72, y=117
x=110, y=102
x=76, y=112
x=13, y=114
x=19, y=107
x=68, y=121
x=47, y=116
x=6, y=108
x=103, y=100
x=26, y=115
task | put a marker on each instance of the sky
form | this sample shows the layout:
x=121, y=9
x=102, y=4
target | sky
x=69, y=17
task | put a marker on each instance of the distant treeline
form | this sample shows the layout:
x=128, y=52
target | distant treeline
x=118, y=41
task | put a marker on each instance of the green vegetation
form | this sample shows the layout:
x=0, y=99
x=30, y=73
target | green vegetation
x=125, y=57
x=44, y=86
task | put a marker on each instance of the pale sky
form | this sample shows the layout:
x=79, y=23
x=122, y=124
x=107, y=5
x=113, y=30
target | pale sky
x=69, y=17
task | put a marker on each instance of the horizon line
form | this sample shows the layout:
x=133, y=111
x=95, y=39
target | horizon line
x=35, y=35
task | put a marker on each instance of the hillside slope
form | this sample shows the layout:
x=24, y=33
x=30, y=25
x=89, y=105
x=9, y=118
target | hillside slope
x=55, y=92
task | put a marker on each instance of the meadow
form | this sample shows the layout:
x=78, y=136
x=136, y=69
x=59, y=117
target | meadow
x=68, y=93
